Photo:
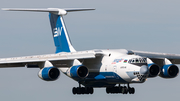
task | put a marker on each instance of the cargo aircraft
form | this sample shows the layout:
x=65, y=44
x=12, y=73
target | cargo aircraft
x=114, y=69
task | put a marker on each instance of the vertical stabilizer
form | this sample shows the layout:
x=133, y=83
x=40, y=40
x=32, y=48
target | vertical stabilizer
x=60, y=35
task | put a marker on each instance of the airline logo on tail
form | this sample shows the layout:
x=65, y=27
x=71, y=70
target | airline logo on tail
x=57, y=32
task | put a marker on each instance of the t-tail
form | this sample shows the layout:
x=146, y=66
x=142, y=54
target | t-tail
x=60, y=35
x=59, y=32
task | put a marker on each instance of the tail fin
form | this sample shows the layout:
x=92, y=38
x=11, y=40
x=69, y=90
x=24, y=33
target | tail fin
x=60, y=35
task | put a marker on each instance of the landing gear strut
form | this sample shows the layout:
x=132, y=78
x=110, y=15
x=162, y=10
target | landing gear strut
x=131, y=90
x=82, y=90
x=120, y=89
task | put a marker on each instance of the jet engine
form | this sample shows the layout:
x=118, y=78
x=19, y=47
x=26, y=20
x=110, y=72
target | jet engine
x=169, y=71
x=78, y=72
x=49, y=73
x=153, y=70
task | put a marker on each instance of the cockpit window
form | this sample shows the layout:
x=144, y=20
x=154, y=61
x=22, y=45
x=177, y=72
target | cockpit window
x=137, y=60
x=133, y=61
x=144, y=60
x=140, y=60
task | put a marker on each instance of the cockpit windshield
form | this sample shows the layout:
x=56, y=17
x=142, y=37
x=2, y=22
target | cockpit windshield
x=137, y=60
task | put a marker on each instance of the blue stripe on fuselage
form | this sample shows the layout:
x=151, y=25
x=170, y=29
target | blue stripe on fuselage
x=98, y=80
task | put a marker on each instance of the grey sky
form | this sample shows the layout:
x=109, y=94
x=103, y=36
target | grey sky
x=148, y=25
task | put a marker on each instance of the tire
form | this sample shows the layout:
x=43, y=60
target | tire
x=82, y=90
x=78, y=90
x=124, y=90
x=91, y=90
x=74, y=90
x=133, y=90
x=86, y=90
x=120, y=89
x=130, y=91
x=116, y=89
x=107, y=90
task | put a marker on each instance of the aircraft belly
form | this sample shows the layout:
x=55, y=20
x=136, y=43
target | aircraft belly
x=105, y=79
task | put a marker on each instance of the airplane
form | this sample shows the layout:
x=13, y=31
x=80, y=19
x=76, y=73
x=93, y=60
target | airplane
x=98, y=68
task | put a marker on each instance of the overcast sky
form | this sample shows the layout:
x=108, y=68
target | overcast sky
x=147, y=25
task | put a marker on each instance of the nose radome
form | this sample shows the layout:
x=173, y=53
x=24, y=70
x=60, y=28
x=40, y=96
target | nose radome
x=144, y=69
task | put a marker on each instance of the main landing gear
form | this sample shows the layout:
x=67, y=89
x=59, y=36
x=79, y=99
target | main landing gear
x=82, y=90
x=120, y=89
x=112, y=90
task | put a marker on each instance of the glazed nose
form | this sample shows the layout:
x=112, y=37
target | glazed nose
x=144, y=69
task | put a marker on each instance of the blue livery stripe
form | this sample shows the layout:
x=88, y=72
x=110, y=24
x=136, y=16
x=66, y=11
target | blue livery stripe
x=100, y=77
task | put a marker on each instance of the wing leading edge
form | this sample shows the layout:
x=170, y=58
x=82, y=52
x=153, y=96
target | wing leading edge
x=38, y=59
x=158, y=57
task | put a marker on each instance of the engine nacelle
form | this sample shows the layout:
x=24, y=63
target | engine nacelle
x=78, y=72
x=169, y=71
x=49, y=73
x=153, y=70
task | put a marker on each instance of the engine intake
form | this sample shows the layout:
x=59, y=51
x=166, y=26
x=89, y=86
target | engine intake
x=153, y=70
x=49, y=73
x=169, y=71
x=78, y=72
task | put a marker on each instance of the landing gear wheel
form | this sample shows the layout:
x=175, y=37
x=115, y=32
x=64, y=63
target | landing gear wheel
x=74, y=90
x=82, y=90
x=107, y=90
x=86, y=91
x=120, y=89
x=132, y=90
x=78, y=90
x=124, y=90
x=91, y=90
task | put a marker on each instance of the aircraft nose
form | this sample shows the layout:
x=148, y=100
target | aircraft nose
x=144, y=69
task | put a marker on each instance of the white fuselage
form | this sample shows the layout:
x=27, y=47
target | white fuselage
x=116, y=67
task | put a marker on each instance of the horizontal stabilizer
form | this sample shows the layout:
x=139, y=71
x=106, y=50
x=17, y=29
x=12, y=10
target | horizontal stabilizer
x=57, y=11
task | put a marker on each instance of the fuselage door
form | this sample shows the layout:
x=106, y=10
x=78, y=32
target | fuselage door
x=106, y=68
x=115, y=68
x=115, y=72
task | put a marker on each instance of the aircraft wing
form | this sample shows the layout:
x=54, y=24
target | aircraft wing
x=60, y=58
x=158, y=58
